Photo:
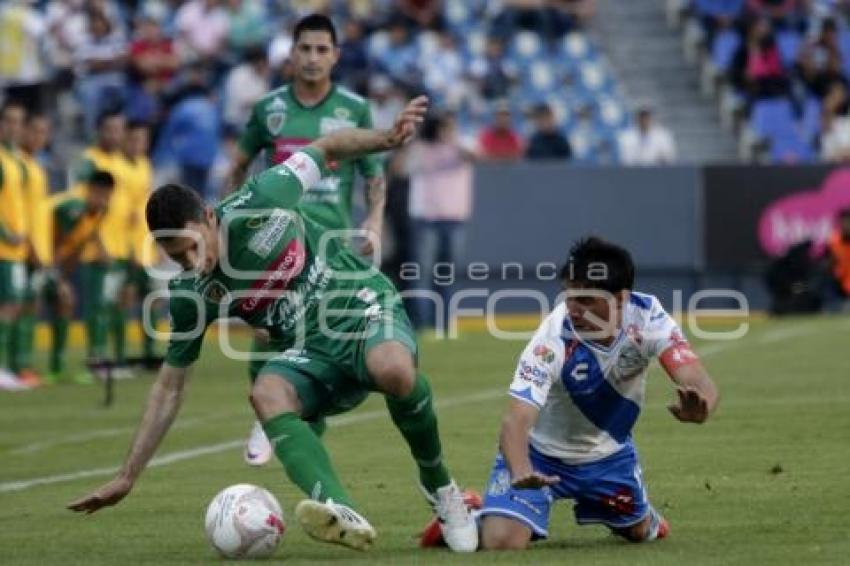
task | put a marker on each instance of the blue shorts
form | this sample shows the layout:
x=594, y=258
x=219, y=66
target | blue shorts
x=609, y=491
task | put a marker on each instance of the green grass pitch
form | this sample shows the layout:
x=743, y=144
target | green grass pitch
x=765, y=482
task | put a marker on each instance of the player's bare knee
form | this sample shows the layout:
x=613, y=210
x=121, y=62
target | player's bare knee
x=635, y=533
x=271, y=395
x=394, y=373
x=503, y=534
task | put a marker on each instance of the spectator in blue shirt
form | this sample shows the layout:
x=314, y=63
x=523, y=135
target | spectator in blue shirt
x=190, y=138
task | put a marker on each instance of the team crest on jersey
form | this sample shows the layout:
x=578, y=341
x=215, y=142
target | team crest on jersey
x=342, y=113
x=277, y=105
x=256, y=221
x=274, y=122
x=544, y=354
x=215, y=291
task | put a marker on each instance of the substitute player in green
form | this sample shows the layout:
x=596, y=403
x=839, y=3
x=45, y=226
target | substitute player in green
x=289, y=118
x=338, y=323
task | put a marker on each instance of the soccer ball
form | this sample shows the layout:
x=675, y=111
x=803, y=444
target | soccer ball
x=244, y=521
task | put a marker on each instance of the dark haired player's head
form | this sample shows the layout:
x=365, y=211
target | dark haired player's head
x=137, y=139
x=12, y=117
x=36, y=134
x=184, y=227
x=315, y=50
x=599, y=277
x=111, y=127
x=99, y=190
x=436, y=127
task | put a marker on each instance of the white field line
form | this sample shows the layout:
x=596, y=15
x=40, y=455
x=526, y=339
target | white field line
x=783, y=334
x=179, y=456
x=102, y=433
x=190, y=454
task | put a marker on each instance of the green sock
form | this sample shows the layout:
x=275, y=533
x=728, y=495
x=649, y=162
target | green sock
x=5, y=328
x=304, y=458
x=57, y=350
x=415, y=419
x=318, y=427
x=23, y=334
x=96, y=326
x=148, y=342
x=118, y=326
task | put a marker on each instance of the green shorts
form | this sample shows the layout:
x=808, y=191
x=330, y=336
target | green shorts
x=329, y=374
x=13, y=282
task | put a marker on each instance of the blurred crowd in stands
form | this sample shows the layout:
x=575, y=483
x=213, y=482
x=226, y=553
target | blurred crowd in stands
x=787, y=63
x=192, y=69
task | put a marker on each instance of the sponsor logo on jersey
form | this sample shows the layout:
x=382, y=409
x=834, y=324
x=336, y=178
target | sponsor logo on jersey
x=273, y=228
x=342, y=113
x=291, y=307
x=328, y=125
x=274, y=122
x=288, y=265
x=284, y=147
x=235, y=200
x=535, y=374
x=374, y=313
x=630, y=363
x=294, y=356
x=544, y=354
x=501, y=484
x=367, y=295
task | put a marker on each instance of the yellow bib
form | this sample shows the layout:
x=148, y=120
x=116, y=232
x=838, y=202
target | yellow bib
x=12, y=209
x=38, y=209
x=113, y=232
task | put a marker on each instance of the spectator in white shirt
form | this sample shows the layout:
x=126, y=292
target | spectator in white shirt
x=245, y=85
x=202, y=26
x=100, y=68
x=647, y=143
x=23, y=71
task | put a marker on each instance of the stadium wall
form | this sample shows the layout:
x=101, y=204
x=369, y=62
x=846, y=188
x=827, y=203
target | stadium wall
x=689, y=228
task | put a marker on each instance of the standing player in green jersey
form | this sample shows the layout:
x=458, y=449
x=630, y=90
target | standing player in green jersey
x=291, y=117
x=337, y=323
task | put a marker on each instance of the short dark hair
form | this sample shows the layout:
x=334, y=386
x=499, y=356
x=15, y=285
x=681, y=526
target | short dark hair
x=33, y=116
x=597, y=264
x=102, y=180
x=13, y=103
x=108, y=115
x=138, y=125
x=314, y=22
x=172, y=206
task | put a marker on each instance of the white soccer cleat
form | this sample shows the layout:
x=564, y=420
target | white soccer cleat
x=334, y=522
x=10, y=382
x=460, y=530
x=258, y=451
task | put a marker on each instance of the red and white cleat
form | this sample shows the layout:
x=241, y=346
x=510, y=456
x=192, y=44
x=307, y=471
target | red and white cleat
x=432, y=535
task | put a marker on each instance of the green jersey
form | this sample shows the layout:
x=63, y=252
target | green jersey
x=281, y=125
x=275, y=269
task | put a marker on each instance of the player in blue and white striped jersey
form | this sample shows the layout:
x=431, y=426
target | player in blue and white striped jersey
x=576, y=394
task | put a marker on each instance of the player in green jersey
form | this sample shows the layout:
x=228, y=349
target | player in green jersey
x=337, y=321
x=291, y=117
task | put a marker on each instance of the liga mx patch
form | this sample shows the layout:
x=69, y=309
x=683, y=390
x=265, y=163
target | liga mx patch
x=267, y=237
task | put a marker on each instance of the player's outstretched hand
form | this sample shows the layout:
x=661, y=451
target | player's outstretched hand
x=691, y=406
x=534, y=480
x=107, y=495
x=408, y=120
